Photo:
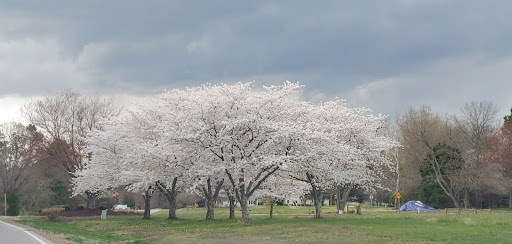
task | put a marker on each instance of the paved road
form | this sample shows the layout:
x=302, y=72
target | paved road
x=11, y=234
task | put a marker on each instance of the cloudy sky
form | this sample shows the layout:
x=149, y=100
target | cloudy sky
x=383, y=55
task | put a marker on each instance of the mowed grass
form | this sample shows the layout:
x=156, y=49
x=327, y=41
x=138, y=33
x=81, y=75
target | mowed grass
x=290, y=225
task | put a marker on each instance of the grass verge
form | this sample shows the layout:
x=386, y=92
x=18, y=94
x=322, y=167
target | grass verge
x=289, y=225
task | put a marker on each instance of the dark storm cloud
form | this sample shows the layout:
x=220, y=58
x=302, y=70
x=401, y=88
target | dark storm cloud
x=335, y=48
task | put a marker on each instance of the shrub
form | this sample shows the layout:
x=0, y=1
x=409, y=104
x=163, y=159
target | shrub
x=51, y=210
x=80, y=207
x=127, y=200
x=102, y=207
x=53, y=216
x=13, y=203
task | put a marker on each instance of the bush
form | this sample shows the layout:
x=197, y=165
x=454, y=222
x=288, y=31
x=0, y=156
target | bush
x=51, y=210
x=102, y=207
x=127, y=200
x=53, y=216
x=80, y=207
x=13, y=203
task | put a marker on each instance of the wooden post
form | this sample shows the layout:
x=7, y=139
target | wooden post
x=489, y=211
x=458, y=213
x=446, y=210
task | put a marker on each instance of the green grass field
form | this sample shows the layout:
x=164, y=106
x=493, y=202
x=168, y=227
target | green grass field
x=290, y=225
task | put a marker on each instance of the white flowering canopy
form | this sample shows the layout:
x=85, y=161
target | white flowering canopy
x=242, y=136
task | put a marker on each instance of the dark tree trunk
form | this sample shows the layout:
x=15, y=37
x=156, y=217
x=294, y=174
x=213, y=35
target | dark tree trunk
x=147, y=203
x=345, y=193
x=466, y=198
x=243, y=194
x=232, y=202
x=448, y=191
x=91, y=199
x=510, y=199
x=339, y=201
x=232, y=208
x=170, y=194
x=211, y=196
x=272, y=202
x=317, y=198
x=210, y=208
x=172, y=205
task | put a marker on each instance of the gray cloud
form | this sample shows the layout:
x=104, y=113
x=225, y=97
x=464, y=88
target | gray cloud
x=396, y=51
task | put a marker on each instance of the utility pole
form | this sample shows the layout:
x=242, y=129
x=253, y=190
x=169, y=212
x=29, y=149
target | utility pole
x=5, y=203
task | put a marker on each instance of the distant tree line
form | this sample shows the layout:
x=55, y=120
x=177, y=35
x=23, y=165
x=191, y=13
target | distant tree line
x=461, y=161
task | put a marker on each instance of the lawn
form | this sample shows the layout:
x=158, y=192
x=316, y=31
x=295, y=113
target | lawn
x=290, y=225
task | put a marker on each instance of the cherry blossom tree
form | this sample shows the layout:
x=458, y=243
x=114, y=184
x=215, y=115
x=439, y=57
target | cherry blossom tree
x=233, y=130
x=232, y=134
x=129, y=151
x=105, y=164
x=342, y=146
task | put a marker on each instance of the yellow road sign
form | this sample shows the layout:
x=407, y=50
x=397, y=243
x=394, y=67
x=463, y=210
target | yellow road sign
x=398, y=195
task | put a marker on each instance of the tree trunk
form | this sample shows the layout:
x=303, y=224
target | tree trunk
x=339, y=204
x=317, y=198
x=211, y=196
x=272, y=202
x=91, y=199
x=232, y=202
x=346, y=194
x=243, y=194
x=210, y=208
x=318, y=209
x=246, y=216
x=170, y=194
x=147, y=204
x=448, y=192
x=466, y=198
x=510, y=199
x=454, y=200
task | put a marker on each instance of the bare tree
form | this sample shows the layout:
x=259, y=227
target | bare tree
x=477, y=122
x=421, y=132
x=65, y=118
x=17, y=153
x=496, y=167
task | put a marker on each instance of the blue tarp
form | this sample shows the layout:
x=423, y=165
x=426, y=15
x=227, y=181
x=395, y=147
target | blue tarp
x=414, y=206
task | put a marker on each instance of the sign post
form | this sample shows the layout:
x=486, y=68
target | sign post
x=398, y=196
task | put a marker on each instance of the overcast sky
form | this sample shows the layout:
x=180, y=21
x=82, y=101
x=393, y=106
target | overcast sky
x=383, y=55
